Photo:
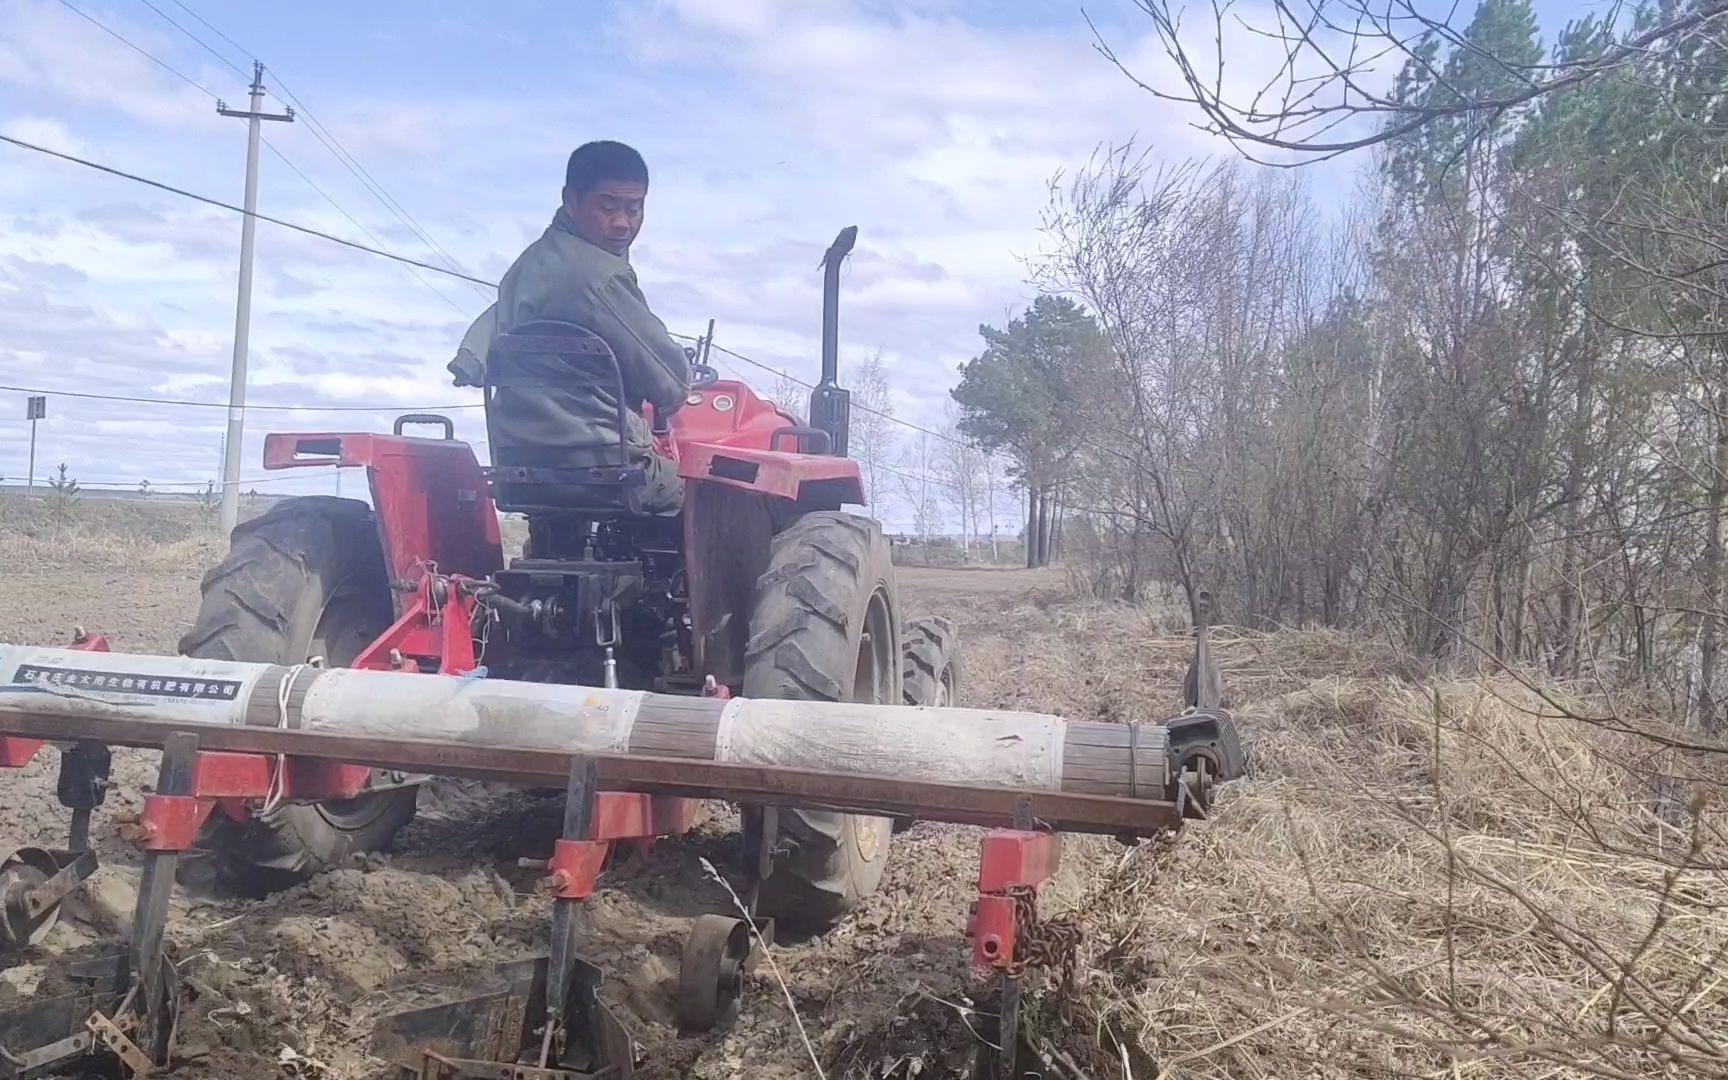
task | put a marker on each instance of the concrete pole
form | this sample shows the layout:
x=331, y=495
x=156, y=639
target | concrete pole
x=243, y=304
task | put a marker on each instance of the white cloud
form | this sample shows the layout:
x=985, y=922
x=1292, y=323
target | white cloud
x=389, y=128
x=768, y=125
x=50, y=52
x=43, y=131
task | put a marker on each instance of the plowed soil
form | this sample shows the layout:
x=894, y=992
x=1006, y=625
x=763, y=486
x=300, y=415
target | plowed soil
x=291, y=984
x=1427, y=871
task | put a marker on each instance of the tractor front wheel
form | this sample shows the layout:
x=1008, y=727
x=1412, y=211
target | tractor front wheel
x=304, y=580
x=930, y=672
x=931, y=663
x=824, y=628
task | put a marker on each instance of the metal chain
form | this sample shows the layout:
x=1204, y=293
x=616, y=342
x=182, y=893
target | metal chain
x=1042, y=943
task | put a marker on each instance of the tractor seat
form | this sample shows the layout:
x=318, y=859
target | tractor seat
x=532, y=370
x=596, y=489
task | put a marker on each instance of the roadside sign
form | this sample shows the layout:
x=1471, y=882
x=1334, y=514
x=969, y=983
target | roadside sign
x=35, y=408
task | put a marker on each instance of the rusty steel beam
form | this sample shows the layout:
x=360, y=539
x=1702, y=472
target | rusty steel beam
x=728, y=781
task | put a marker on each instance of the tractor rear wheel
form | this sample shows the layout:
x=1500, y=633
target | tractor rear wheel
x=304, y=580
x=824, y=628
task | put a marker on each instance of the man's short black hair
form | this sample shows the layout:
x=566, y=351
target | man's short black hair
x=594, y=163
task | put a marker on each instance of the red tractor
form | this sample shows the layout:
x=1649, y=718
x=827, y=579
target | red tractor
x=761, y=586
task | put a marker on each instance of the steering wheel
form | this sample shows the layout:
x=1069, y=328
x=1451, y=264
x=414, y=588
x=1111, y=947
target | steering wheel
x=701, y=375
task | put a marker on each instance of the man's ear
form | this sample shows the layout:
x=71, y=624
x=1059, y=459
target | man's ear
x=570, y=198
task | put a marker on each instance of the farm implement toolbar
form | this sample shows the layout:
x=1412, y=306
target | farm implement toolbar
x=234, y=735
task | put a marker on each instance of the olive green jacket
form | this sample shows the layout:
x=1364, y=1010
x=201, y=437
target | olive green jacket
x=563, y=277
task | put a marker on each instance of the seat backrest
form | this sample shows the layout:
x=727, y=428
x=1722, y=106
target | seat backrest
x=547, y=359
x=536, y=363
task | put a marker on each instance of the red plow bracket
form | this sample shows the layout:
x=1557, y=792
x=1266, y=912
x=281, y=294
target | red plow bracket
x=547, y=1021
x=1014, y=865
x=16, y=751
x=627, y=816
x=231, y=780
x=434, y=632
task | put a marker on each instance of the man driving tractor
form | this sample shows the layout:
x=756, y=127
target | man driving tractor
x=550, y=415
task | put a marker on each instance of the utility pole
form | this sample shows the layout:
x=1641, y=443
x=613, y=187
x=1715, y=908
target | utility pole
x=243, y=304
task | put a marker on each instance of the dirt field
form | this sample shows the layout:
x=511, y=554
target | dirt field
x=1423, y=874
x=293, y=982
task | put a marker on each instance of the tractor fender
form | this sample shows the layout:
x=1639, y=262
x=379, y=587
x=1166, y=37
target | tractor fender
x=430, y=496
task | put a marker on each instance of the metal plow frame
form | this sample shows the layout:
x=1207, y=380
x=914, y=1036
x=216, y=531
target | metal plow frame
x=538, y=1018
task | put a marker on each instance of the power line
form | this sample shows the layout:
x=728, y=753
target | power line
x=363, y=247
x=177, y=73
x=358, y=246
x=425, y=266
x=91, y=396
x=218, y=33
x=200, y=41
x=329, y=141
x=230, y=207
x=163, y=64
x=351, y=220
x=321, y=132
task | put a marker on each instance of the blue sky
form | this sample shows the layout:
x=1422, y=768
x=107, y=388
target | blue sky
x=934, y=125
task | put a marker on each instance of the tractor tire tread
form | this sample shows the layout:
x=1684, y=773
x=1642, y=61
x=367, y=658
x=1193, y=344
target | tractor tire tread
x=796, y=665
x=805, y=591
x=298, y=552
x=812, y=604
x=929, y=649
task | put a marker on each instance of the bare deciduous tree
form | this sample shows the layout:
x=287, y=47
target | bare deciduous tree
x=962, y=470
x=791, y=396
x=1333, y=89
x=874, y=440
x=920, y=487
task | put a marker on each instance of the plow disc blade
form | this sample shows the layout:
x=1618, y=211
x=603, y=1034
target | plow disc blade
x=33, y=882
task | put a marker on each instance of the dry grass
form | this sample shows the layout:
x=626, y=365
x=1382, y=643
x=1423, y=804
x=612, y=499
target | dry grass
x=1419, y=878
x=157, y=534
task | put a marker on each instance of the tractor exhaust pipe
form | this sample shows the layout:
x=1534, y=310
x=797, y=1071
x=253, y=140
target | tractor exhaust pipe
x=830, y=406
x=831, y=259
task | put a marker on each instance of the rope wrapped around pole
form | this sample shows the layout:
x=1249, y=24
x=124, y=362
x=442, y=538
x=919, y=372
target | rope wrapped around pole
x=851, y=755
